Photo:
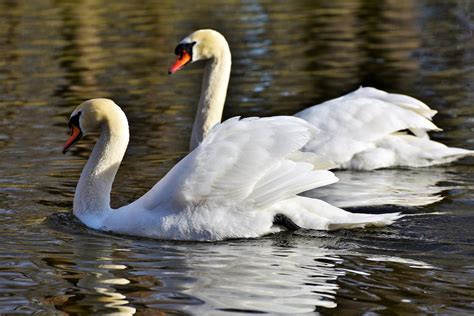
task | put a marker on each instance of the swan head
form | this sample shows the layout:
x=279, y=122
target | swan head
x=88, y=117
x=199, y=45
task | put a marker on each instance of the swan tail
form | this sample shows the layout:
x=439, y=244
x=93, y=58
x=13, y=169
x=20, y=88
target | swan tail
x=312, y=213
x=448, y=155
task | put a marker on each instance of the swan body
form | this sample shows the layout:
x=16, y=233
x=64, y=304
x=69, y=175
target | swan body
x=365, y=130
x=240, y=182
x=362, y=130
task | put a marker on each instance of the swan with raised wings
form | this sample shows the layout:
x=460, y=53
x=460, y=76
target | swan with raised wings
x=361, y=130
x=239, y=182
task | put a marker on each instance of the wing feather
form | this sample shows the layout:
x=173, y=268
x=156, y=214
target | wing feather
x=354, y=122
x=242, y=162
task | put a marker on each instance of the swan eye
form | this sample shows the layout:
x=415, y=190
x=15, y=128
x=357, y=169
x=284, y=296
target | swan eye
x=184, y=47
x=74, y=120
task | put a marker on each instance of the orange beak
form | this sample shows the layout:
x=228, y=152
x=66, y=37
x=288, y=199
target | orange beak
x=76, y=134
x=180, y=62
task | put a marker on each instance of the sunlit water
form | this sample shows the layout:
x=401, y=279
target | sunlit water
x=286, y=56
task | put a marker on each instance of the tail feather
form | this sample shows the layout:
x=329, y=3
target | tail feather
x=419, y=152
x=311, y=213
x=448, y=155
x=401, y=150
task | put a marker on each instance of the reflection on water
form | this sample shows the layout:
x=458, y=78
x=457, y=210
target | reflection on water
x=276, y=279
x=94, y=279
x=286, y=56
x=287, y=274
x=397, y=187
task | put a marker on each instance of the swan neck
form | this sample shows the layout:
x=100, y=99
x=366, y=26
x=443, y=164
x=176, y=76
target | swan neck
x=213, y=94
x=92, y=198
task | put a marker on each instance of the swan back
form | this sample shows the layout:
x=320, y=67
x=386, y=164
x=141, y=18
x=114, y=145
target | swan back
x=400, y=100
x=356, y=122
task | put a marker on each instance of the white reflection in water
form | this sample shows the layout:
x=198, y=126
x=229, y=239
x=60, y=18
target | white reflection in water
x=416, y=264
x=103, y=284
x=270, y=279
x=98, y=277
x=281, y=274
x=401, y=187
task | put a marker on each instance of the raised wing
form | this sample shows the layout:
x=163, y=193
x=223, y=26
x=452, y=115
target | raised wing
x=354, y=122
x=242, y=162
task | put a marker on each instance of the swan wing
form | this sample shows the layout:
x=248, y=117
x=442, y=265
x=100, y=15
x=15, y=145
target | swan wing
x=354, y=122
x=400, y=100
x=242, y=162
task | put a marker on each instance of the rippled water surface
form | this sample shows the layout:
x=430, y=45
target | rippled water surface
x=286, y=56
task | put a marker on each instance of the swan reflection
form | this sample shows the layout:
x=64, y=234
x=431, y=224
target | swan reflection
x=95, y=279
x=103, y=283
x=400, y=187
x=290, y=279
x=279, y=274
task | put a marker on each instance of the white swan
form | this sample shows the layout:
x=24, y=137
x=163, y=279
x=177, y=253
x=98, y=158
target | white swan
x=239, y=182
x=362, y=130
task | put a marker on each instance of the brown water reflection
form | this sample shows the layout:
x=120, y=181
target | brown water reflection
x=286, y=56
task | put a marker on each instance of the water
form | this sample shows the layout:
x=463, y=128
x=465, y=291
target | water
x=56, y=54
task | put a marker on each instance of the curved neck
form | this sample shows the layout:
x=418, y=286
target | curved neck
x=92, y=198
x=213, y=93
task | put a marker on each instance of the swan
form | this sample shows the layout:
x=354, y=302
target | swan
x=240, y=182
x=363, y=130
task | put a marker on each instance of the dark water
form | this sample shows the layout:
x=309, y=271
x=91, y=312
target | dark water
x=286, y=56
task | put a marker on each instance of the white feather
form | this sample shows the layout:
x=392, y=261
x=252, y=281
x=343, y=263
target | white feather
x=361, y=130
